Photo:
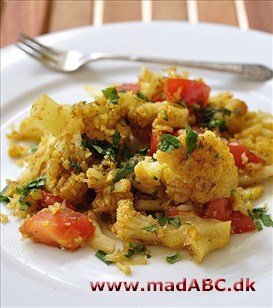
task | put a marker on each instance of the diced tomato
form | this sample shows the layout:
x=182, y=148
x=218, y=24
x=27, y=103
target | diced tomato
x=50, y=199
x=64, y=227
x=173, y=211
x=238, y=150
x=190, y=91
x=153, y=144
x=128, y=87
x=221, y=209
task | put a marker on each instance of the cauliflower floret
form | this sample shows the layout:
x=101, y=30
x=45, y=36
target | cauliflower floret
x=107, y=201
x=148, y=172
x=209, y=173
x=169, y=117
x=100, y=241
x=242, y=198
x=199, y=236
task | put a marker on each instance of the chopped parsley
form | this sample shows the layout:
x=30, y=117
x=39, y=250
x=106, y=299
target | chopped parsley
x=163, y=220
x=76, y=166
x=174, y=221
x=174, y=259
x=100, y=148
x=111, y=95
x=168, y=143
x=191, y=140
x=136, y=248
x=151, y=228
x=259, y=216
x=258, y=225
x=143, y=152
x=140, y=95
x=4, y=199
x=123, y=172
x=126, y=152
x=100, y=254
x=210, y=118
x=25, y=190
x=130, y=253
x=34, y=147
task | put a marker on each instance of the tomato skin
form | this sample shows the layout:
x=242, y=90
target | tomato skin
x=64, y=227
x=221, y=209
x=191, y=91
x=153, y=143
x=50, y=199
x=128, y=87
x=173, y=211
x=237, y=149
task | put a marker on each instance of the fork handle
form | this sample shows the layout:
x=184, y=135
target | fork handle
x=248, y=71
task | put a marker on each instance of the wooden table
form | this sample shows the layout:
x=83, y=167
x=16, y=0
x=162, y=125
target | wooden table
x=36, y=17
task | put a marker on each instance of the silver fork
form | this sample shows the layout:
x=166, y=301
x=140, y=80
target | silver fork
x=69, y=61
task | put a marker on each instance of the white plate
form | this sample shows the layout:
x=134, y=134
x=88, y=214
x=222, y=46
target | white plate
x=37, y=275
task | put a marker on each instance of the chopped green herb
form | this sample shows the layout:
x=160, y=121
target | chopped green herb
x=174, y=259
x=250, y=214
x=130, y=253
x=258, y=225
x=34, y=147
x=100, y=148
x=165, y=116
x=210, y=117
x=174, y=221
x=138, y=247
x=123, y=172
x=126, y=153
x=111, y=94
x=259, y=215
x=151, y=228
x=143, y=152
x=4, y=199
x=201, y=145
x=162, y=220
x=140, y=95
x=155, y=178
x=191, y=140
x=100, y=254
x=267, y=221
x=31, y=186
x=168, y=143
x=217, y=155
x=76, y=165
x=24, y=205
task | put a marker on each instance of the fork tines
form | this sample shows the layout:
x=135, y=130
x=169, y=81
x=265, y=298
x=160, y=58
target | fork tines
x=35, y=49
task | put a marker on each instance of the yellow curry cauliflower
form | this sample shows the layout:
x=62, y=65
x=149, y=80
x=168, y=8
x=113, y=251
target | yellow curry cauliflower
x=208, y=173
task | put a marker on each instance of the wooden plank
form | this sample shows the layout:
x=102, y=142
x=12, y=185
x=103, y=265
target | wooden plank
x=70, y=14
x=23, y=16
x=260, y=15
x=118, y=10
x=222, y=12
x=171, y=10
